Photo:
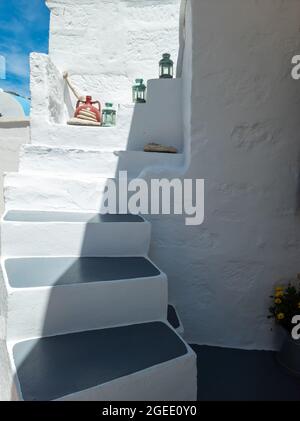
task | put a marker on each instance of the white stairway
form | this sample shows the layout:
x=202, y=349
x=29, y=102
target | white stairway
x=84, y=311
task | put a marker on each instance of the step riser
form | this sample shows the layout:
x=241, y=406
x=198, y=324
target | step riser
x=27, y=192
x=57, y=136
x=172, y=381
x=52, y=161
x=102, y=164
x=38, y=312
x=23, y=239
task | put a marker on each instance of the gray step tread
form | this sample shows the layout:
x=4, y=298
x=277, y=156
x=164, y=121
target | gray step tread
x=53, y=271
x=43, y=216
x=50, y=368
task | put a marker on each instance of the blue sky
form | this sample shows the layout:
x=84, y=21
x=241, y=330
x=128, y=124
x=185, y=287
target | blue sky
x=24, y=27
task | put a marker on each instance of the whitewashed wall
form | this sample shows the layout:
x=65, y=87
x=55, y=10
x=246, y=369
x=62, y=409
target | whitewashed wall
x=105, y=45
x=12, y=136
x=242, y=130
x=245, y=141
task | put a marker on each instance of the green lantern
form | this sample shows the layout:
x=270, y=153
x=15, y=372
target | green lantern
x=139, y=91
x=108, y=115
x=166, y=66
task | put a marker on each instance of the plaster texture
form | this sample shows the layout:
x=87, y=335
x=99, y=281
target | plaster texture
x=98, y=163
x=244, y=141
x=53, y=193
x=13, y=134
x=106, y=45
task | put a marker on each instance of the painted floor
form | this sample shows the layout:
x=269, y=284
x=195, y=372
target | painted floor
x=236, y=375
x=53, y=271
x=50, y=368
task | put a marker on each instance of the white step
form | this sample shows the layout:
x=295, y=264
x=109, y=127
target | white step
x=53, y=193
x=145, y=362
x=29, y=234
x=46, y=192
x=49, y=296
x=94, y=138
x=97, y=163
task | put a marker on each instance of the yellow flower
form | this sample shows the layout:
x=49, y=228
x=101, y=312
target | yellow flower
x=279, y=288
x=279, y=294
x=280, y=316
x=278, y=301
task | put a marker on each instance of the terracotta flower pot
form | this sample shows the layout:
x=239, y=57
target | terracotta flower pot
x=289, y=355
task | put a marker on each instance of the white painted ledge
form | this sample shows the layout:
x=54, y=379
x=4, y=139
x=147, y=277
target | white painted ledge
x=104, y=164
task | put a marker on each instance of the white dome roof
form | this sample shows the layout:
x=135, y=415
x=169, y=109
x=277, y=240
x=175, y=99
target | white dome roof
x=10, y=107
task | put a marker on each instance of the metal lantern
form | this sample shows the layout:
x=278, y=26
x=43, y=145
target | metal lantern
x=139, y=91
x=166, y=66
x=108, y=115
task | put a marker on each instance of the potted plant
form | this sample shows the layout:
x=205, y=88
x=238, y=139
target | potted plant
x=286, y=305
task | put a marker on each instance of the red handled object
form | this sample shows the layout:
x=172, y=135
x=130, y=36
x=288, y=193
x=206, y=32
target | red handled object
x=87, y=111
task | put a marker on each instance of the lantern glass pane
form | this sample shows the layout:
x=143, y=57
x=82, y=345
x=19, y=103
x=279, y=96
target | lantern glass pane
x=166, y=70
x=114, y=118
x=109, y=117
x=139, y=91
x=134, y=94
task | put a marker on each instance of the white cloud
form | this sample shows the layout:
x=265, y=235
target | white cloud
x=17, y=64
